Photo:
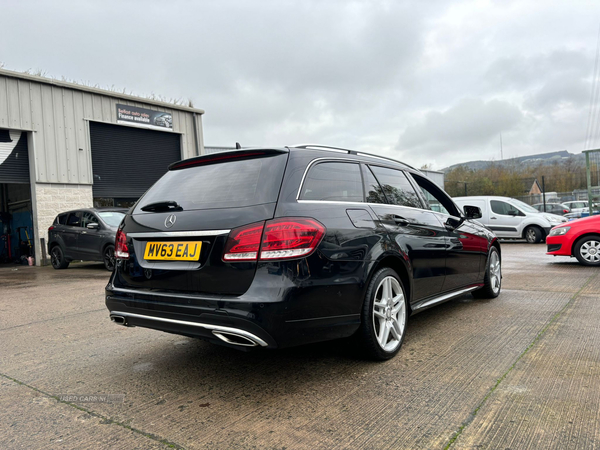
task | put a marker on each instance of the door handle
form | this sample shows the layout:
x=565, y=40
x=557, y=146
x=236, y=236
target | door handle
x=493, y=218
x=399, y=220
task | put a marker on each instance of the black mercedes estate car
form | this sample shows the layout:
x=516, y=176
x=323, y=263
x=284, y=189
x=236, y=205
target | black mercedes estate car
x=280, y=247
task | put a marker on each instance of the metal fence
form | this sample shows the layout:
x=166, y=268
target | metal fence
x=558, y=197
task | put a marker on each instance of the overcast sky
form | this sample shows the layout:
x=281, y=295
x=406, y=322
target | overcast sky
x=424, y=81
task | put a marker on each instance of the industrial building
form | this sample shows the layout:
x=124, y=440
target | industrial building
x=65, y=146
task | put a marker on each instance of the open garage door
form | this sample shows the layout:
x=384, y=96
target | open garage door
x=16, y=217
x=14, y=160
x=126, y=161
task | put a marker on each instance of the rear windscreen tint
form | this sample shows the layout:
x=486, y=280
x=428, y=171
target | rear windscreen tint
x=230, y=184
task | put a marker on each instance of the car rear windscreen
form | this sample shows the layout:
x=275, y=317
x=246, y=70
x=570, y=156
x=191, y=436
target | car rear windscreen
x=231, y=184
x=112, y=218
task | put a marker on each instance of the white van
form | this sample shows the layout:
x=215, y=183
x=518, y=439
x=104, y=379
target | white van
x=512, y=219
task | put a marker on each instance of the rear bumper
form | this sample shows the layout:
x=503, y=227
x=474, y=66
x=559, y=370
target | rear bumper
x=206, y=328
x=266, y=316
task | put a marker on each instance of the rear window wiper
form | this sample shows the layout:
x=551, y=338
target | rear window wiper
x=168, y=205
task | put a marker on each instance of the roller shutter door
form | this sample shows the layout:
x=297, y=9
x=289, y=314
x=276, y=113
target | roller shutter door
x=126, y=161
x=14, y=159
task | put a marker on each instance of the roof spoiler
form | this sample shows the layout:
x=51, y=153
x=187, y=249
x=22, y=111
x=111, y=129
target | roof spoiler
x=216, y=158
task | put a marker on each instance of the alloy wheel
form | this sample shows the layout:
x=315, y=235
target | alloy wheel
x=109, y=258
x=389, y=314
x=590, y=251
x=495, y=272
x=56, y=257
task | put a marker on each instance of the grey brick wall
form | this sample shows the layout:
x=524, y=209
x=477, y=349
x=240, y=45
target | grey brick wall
x=53, y=199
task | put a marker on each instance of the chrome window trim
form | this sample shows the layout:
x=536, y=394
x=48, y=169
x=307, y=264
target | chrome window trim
x=348, y=160
x=317, y=161
x=159, y=234
x=339, y=202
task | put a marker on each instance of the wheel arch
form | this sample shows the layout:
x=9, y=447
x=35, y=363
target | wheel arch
x=580, y=238
x=57, y=243
x=398, y=265
x=496, y=243
x=533, y=225
x=106, y=244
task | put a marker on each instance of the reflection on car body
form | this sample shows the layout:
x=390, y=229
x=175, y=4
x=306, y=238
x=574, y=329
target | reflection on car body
x=298, y=245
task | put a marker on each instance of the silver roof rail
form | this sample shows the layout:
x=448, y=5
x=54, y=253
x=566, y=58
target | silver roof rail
x=323, y=147
x=350, y=152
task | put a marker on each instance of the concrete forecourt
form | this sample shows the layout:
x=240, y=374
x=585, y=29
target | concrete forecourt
x=520, y=371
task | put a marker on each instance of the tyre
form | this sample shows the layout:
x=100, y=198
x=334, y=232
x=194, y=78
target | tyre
x=57, y=258
x=587, y=251
x=493, y=277
x=383, y=317
x=108, y=256
x=533, y=235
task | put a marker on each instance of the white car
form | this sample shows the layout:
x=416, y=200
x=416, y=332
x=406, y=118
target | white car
x=577, y=207
x=509, y=218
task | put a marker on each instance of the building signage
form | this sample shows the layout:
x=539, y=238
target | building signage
x=143, y=117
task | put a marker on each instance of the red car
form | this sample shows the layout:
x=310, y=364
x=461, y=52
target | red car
x=579, y=238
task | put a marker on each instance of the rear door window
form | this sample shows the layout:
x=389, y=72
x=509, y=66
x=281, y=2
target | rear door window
x=375, y=192
x=74, y=219
x=333, y=181
x=112, y=218
x=396, y=187
x=435, y=199
x=230, y=184
x=62, y=219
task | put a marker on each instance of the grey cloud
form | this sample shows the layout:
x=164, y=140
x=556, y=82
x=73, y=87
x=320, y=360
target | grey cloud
x=471, y=122
x=407, y=79
x=558, y=91
x=518, y=72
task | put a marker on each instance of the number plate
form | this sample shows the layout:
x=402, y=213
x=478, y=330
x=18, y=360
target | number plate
x=173, y=251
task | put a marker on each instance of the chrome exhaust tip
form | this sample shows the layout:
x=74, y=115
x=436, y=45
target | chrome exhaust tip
x=235, y=339
x=120, y=320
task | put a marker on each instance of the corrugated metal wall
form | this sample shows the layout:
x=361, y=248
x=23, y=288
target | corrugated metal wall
x=59, y=116
x=14, y=160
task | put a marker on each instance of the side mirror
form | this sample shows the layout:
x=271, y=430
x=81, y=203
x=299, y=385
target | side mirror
x=452, y=223
x=472, y=212
x=93, y=226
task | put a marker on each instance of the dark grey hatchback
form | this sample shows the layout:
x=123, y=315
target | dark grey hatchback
x=280, y=247
x=85, y=234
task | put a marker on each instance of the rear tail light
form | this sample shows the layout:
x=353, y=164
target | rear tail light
x=290, y=238
x=276, y=239
x=565, y=211
x=243, y=243
x=51, y=228
x=121, y=249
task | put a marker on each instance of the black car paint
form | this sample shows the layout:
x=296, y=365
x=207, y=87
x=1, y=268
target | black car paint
x=303, y=300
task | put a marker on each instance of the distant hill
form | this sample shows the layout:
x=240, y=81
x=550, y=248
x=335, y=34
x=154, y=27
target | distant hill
x=541, y=158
